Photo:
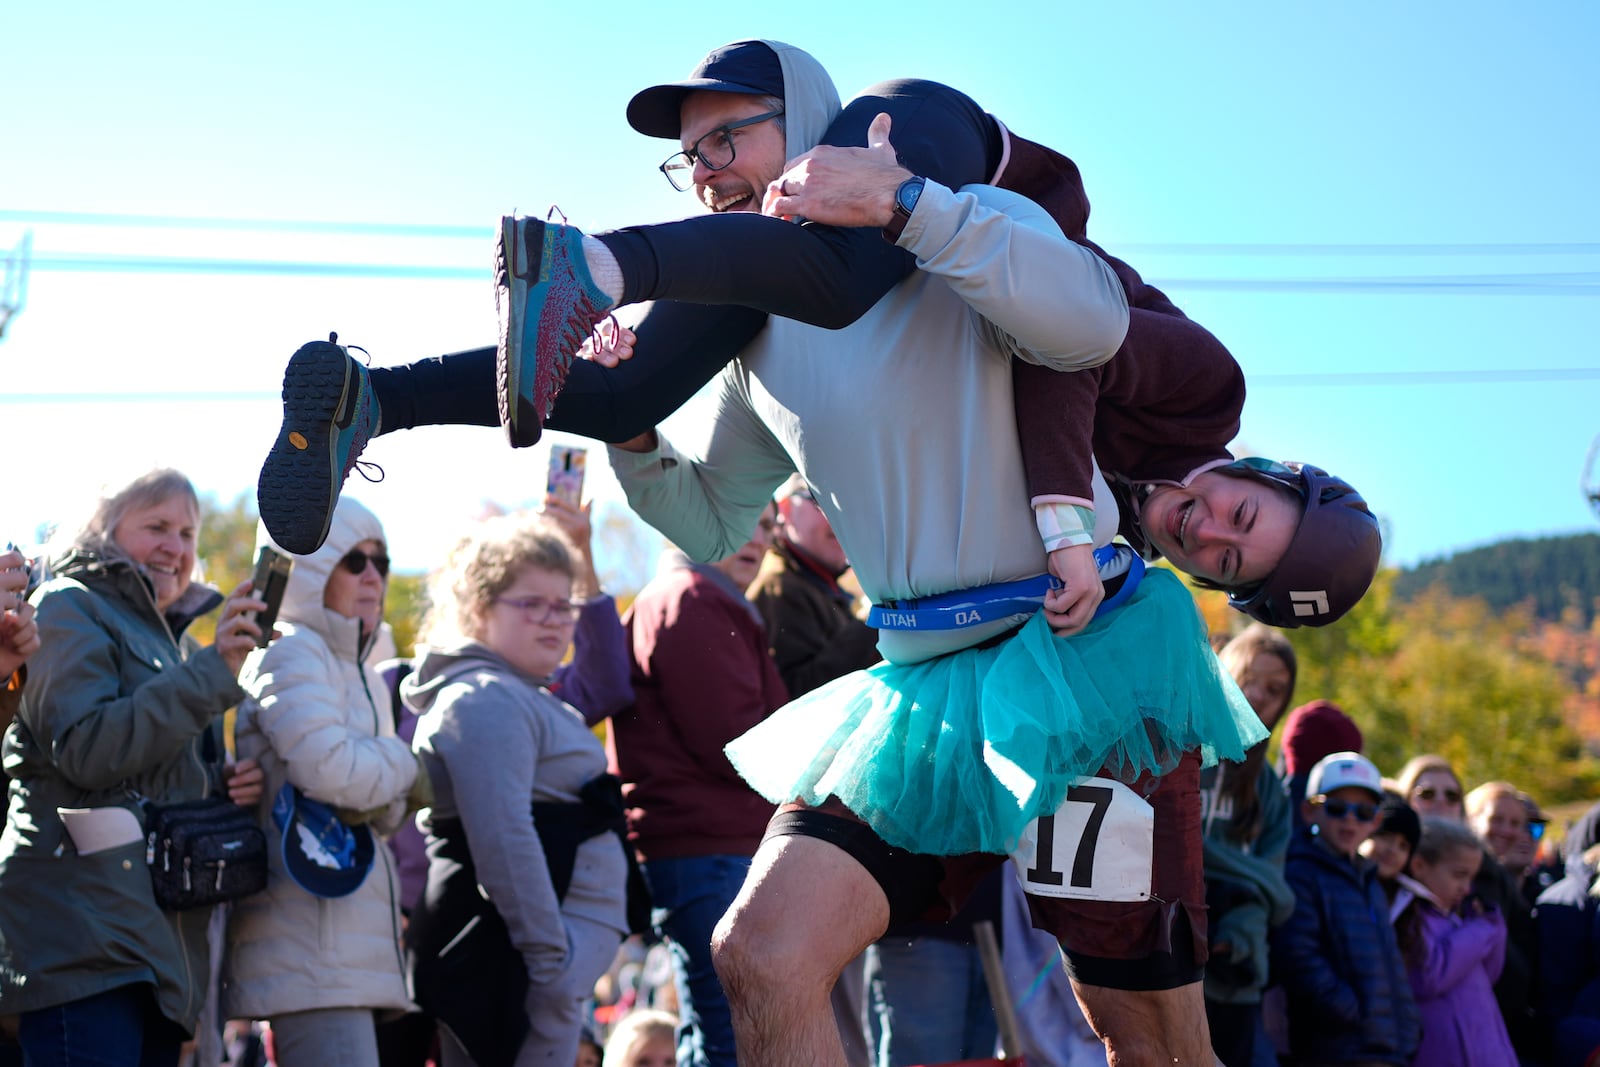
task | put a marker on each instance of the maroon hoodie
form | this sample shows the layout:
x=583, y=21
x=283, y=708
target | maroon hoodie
x=702, y=675
x=1165, y=405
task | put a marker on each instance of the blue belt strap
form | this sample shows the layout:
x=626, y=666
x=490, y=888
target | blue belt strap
x=990, y=603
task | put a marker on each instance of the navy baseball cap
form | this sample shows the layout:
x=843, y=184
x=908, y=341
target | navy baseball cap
x=320, y=853
x=739, y=67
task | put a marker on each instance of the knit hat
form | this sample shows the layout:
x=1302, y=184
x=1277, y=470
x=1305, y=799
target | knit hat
x=1397, y=817
x=1315, y=730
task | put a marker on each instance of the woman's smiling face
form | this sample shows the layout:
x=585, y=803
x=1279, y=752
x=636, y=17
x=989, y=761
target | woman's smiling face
x=161, y=538
x=1228, y=530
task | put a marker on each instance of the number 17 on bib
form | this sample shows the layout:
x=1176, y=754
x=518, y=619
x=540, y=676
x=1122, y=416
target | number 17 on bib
x=1098, y=846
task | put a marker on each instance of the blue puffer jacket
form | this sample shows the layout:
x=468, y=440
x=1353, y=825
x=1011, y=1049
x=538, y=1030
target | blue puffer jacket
x=1349, y=997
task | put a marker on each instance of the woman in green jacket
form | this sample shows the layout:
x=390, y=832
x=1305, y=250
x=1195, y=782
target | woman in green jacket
x=120, y=707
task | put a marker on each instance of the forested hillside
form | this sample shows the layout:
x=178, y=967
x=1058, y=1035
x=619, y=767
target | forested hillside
x=1553, y=575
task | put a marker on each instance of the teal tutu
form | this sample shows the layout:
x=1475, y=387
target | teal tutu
x=958, y=754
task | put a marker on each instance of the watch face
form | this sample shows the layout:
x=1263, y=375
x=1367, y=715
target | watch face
x=907, y=195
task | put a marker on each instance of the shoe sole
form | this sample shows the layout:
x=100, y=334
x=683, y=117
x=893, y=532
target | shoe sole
x=523, y=424
x=301, y=478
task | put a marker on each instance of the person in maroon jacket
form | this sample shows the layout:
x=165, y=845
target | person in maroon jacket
x=702, y=676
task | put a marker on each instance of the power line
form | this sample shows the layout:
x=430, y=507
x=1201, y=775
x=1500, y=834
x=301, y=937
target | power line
x=119, y=264
x=181, y=222
x=1427, y=377
x=1571, y=283
x=1503, y=375
x=447, y=231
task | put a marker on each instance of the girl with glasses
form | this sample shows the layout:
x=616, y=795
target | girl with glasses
x=523, y=808
x=318, y=718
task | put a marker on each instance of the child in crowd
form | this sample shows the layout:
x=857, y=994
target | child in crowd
x=1459, y=952
x=643, y=1039
x=590, y=1054
x=1349, y=1001
x=1390, y=848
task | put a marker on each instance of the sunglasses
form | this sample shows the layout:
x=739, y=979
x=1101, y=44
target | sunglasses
x=355, y=561
x=1342, y=809
x=1451, y=796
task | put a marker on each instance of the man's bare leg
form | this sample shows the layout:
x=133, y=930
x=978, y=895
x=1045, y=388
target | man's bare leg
x=807, y=908
x=1149, y=1028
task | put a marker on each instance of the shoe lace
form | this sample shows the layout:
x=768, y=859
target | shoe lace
x=582, y=320
x=597, y=335
x=369, y=470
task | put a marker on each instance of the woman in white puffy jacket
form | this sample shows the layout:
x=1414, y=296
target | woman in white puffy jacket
x=318, y=717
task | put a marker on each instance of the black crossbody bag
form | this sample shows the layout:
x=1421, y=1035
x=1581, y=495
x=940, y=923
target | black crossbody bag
x=203, y=852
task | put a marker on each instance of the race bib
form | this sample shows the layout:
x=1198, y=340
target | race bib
x=1098, y=846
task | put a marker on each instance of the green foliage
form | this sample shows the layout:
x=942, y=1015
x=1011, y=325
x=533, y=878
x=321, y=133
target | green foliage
x=226, y=550
x=404, y=607
x=1556, y=575
x=227, y=553
x=1459, y=676
x=1449, y=675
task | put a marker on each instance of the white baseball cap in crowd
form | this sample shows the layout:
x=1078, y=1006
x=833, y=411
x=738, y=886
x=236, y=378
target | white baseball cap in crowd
x=1340, y=769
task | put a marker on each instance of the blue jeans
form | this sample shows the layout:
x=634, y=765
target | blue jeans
x=118, y=1028
x=929, y=1002
x=690, y=896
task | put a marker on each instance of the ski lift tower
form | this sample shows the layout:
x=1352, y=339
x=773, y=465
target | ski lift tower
x=14, y=282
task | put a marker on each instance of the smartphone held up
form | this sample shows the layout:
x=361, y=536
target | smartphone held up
x=565, y=482
x=271, y=579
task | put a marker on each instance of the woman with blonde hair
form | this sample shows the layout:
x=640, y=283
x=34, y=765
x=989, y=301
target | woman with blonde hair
x=525, y=900
x=644, y=1038
x=122, y=709
x=1431, y=785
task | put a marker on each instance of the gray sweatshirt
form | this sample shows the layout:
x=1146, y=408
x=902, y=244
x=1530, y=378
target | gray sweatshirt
x=903, y=420
x=494, y=742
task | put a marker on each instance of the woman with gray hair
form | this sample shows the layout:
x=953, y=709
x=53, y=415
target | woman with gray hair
x=121, y=707
x=525, y=902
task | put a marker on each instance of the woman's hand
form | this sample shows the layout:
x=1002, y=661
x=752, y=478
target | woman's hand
x=1070, y=608
x=237, y=630
x=19, y=635
x=19, y=639
x=246, y=781
x=610, y=344
x=574, y=522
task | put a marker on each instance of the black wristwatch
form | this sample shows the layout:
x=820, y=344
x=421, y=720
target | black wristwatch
x=905, y=202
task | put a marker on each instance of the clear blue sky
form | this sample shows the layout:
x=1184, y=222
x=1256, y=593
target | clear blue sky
x=1387, y=211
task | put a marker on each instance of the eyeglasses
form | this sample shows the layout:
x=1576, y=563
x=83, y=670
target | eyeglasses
x=1451, y=796
x=715, y=150
x=1341, y=809
x=355, y=561
x=540, y=609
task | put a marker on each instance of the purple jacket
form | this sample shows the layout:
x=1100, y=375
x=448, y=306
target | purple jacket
x=1454, y=988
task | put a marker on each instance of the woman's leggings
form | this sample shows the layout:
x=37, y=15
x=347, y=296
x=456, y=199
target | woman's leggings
x=715, y=279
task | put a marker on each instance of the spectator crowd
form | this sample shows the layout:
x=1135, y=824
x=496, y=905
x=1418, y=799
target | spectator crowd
x=413, y=913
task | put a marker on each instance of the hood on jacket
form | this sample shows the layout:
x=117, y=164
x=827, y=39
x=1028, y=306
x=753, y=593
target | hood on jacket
x=129, y=579
x=352, y=524
x=810, y=102
x=438, y=667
